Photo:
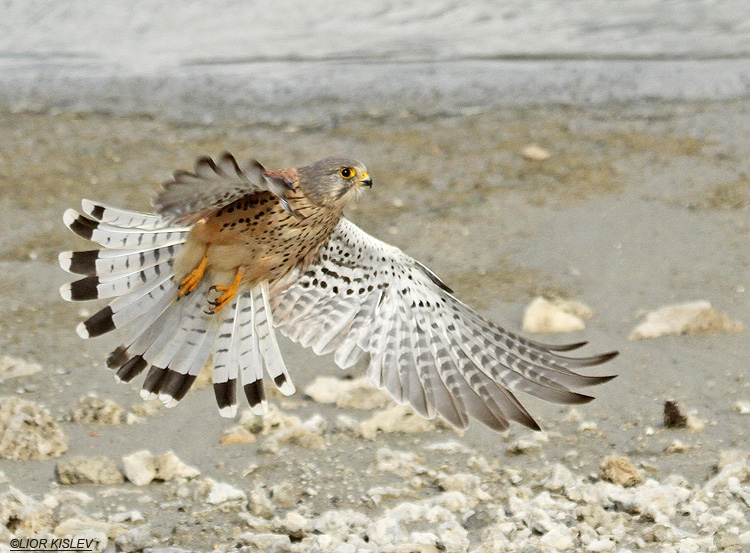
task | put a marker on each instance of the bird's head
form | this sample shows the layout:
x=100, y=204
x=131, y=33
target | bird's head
x=333, y=180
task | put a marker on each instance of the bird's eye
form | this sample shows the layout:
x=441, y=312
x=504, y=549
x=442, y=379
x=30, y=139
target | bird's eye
x=347, y=172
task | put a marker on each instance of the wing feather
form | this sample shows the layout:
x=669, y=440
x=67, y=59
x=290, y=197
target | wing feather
x=426, y=347
x=188, y=197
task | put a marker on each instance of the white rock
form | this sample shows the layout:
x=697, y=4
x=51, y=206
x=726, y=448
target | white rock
x=559, y=538
x=601, y=546
x=468, y=484
x=559, y=478
x=308, y=434
x=273, y=421
x=695, y=424
x=142, y=467
x=377, y=494
x=542, y=315
x=661, y=498
x=127, y=516
x=739, y=469
x=268, y=543
x=88, y=470
x=450, y=446
x=95, y=539
x=345, y=423
x=342, y=524
x=454, y=502
x=132, y=418
x=385, y=530
x=573, y=415
x=284, y=494
x=96, y=410
x=678, y=446
x=696, y=317
x=523, y=446
x=398, y=418
x=401, y=463
x=76, y=526
x=588, y=426
x=58, y=497
x=11, y=367
x=358, y=393
x=259, y=502
x=532, y=152
x=146, y=409
x=238, y=435
x=319, y=542
x=28, y=431
x=293, y=525
x=742, y=407
x=221, y=492
x=619, y=470
x=395, y=525
x=27, y=516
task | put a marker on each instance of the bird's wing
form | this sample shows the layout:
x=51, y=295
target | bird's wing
x=426, y=348
x=187, y=197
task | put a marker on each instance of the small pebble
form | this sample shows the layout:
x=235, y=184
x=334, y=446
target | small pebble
x=532, y=152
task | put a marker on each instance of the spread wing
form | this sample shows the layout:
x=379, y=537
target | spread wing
x=188, y=197
x=426, y=348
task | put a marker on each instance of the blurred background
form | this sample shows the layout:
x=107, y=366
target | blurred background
x=310, y=61
x=587, y=150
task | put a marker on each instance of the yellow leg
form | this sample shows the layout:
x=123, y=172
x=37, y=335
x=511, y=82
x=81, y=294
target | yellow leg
x=189, y=283
x=229, y=292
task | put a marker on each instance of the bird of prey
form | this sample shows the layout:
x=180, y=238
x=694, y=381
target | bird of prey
x=232, y=253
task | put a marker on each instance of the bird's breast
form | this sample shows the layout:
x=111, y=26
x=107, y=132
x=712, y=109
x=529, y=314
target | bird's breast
x=259, y=235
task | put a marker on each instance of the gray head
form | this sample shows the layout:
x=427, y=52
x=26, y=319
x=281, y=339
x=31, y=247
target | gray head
x=330, y=180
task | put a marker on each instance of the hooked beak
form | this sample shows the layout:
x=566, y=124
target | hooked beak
x=365, y=180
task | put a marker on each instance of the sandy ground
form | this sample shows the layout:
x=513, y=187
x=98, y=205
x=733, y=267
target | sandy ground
x=639, y=206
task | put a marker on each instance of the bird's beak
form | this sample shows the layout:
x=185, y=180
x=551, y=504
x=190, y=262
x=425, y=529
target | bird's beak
x=365, y=180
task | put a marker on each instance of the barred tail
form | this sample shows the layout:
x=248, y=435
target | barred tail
x=172, y=337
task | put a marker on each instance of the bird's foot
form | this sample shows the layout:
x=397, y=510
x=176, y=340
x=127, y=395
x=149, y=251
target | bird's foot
x=228, y=293
x=189, y=283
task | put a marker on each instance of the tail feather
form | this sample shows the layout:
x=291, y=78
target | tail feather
x=175, y=335
x=144, y=347
x=184, y=368
x=128, y=308
x=114, y=237
x=114, y=262
x=250, y=358
x=225, y=362
x=269, y=345
x=112, y=286
x=124, y=218
x=191, y=314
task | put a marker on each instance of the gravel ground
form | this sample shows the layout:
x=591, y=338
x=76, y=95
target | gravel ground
x=637, y=207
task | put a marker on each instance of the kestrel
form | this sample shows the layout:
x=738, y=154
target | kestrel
x=232, y=253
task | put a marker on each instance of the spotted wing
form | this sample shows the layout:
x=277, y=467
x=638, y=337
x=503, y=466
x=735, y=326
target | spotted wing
x=426, y=348
x=190, y=196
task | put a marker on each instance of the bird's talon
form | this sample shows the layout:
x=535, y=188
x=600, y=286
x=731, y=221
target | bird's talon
x=189, y=283
x=228, y=293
